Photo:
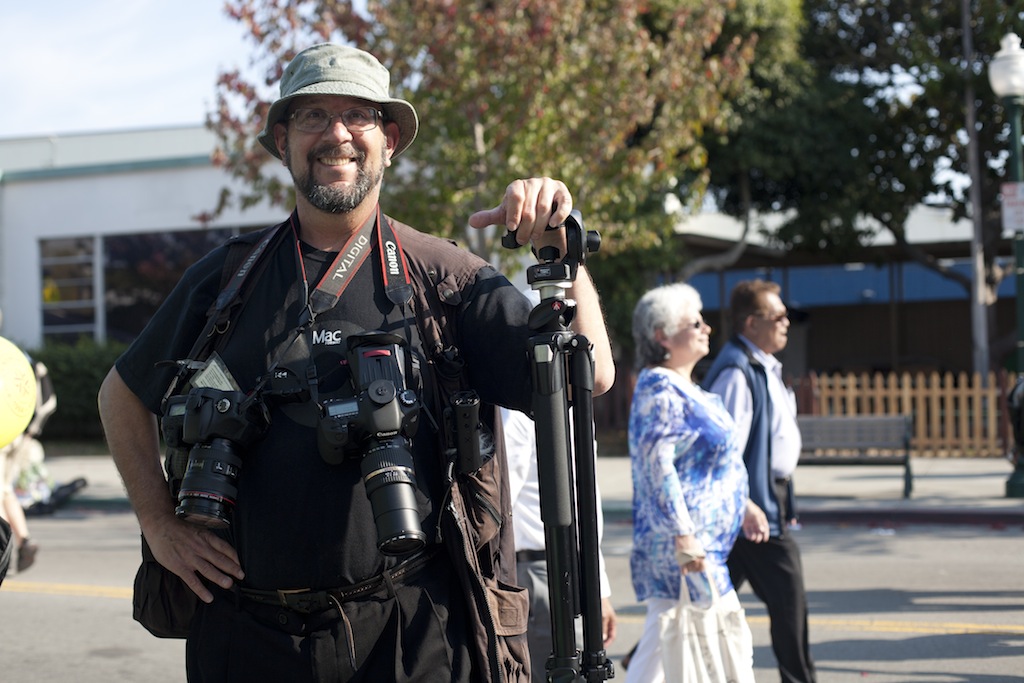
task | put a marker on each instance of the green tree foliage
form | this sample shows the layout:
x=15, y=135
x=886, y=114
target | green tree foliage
x=769, y=135
x=912, y=55
x=793, y=147
x=612, y=96
x=877, y=126
x=875, y=123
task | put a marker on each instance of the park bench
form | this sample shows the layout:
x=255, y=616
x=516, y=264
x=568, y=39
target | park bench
x=857, y=440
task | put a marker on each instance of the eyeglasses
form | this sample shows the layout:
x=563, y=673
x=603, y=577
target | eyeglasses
x=356, y=119
x=695, y=325
x=774, y=318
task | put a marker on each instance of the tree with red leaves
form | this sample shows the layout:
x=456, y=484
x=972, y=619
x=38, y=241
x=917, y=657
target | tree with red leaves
x=611, y=96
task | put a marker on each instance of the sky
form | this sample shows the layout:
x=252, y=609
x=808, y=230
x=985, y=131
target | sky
x=80, y=67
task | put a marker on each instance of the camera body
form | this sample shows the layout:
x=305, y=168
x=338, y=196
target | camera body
x=216, y=426
x=378, y=424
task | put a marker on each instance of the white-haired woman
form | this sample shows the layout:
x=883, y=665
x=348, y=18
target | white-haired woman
x=689, y=481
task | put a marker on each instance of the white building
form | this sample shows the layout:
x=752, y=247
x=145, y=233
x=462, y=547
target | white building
x=82, y=220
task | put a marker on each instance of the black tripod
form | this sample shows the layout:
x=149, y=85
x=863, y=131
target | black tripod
x=561, y=360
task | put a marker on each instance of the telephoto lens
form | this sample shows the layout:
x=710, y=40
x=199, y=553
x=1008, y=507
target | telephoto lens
x=390, y=482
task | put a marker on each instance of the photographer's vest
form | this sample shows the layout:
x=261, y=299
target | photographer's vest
x=475, y=523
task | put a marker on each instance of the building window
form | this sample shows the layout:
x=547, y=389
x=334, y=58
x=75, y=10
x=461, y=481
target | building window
x=140, y=270
x=69, y=296
x=108, y=288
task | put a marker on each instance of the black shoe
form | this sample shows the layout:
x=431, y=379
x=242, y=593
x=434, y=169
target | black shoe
x=26, y=554
x=628, y=657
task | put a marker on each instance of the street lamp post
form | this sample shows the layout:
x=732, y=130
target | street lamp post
x=1006, y=75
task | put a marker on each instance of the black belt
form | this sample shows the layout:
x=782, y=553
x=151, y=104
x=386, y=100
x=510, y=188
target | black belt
x=782, y=481
x=307, y=601
x=531, y=555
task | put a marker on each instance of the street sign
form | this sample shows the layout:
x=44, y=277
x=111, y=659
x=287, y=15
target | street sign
x=1013, y=208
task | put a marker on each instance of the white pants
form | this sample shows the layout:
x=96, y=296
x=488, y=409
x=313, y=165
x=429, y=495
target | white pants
x=645, y=665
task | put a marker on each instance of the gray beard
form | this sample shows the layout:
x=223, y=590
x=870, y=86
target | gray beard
x=334, y=199
x=331, y=199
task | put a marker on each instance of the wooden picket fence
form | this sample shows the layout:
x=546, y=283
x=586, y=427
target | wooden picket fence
x=961, y=414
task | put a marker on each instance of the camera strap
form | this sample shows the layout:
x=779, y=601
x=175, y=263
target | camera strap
x=218, y=317
x=395, y=270
x=327, y=292
x=231, y=291
x=394, y=267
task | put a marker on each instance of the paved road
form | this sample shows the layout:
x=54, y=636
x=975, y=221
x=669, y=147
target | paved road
x=924, y=603
x=68, y=619
x=905, y=603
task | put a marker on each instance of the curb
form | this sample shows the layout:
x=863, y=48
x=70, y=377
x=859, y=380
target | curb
x=618, y=513
x=887, y=517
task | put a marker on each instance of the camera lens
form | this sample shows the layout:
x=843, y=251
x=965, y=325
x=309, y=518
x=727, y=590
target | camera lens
x=208, y=489
x=390, y=482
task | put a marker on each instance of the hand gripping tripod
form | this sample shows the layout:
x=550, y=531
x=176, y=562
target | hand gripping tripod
x=561, y=360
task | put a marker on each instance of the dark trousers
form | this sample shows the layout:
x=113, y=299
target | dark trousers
x=776, y=575
x=403, y=632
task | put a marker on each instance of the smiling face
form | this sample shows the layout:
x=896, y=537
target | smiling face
x=336, y=170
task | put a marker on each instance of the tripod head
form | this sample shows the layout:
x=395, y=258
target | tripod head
x=555, y=272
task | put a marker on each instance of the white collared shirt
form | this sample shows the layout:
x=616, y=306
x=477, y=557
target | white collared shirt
x=524, y=486
x=731, y=385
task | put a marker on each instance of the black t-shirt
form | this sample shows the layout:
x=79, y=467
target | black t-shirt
x=300, y=522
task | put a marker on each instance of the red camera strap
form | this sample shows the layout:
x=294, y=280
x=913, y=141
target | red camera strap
x=350, y=258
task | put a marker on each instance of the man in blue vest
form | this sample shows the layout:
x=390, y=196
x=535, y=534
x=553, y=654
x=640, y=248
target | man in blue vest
x=748, y=377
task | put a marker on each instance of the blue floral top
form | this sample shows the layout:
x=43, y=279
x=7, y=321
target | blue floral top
x=688, y=478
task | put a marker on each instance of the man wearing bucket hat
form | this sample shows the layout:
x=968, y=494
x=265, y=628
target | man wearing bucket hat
x=297, y=584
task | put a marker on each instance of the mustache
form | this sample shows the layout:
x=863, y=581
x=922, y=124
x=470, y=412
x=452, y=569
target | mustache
x=338, y=151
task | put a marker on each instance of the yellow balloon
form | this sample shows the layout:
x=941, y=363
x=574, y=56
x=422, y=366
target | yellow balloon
x=17, y=391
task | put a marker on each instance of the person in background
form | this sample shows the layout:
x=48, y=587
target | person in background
x=11, y=510
x=531, y=559
x=689, y=483
x=17, y=455
x=748, y=377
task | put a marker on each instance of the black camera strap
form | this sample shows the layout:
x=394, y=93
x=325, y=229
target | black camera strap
x=394, y=269
x=218, y=317
x=231, y=291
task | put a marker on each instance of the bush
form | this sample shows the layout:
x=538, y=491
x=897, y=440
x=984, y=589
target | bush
x=77, y=372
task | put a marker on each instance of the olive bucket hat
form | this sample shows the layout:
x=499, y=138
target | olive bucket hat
x=328, y=69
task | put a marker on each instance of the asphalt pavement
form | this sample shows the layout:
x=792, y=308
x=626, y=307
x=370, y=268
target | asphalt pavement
x=926, y=589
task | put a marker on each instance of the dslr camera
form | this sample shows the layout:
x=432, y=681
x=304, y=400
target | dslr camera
x=215, y=426
x=377, y=425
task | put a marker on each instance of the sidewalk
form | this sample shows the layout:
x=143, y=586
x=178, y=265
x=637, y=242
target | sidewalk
x=946, y=490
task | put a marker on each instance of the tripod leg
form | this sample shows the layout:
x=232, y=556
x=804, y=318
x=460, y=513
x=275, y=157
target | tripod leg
x=572, y=551
x=551, y=417
x=595, y=664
